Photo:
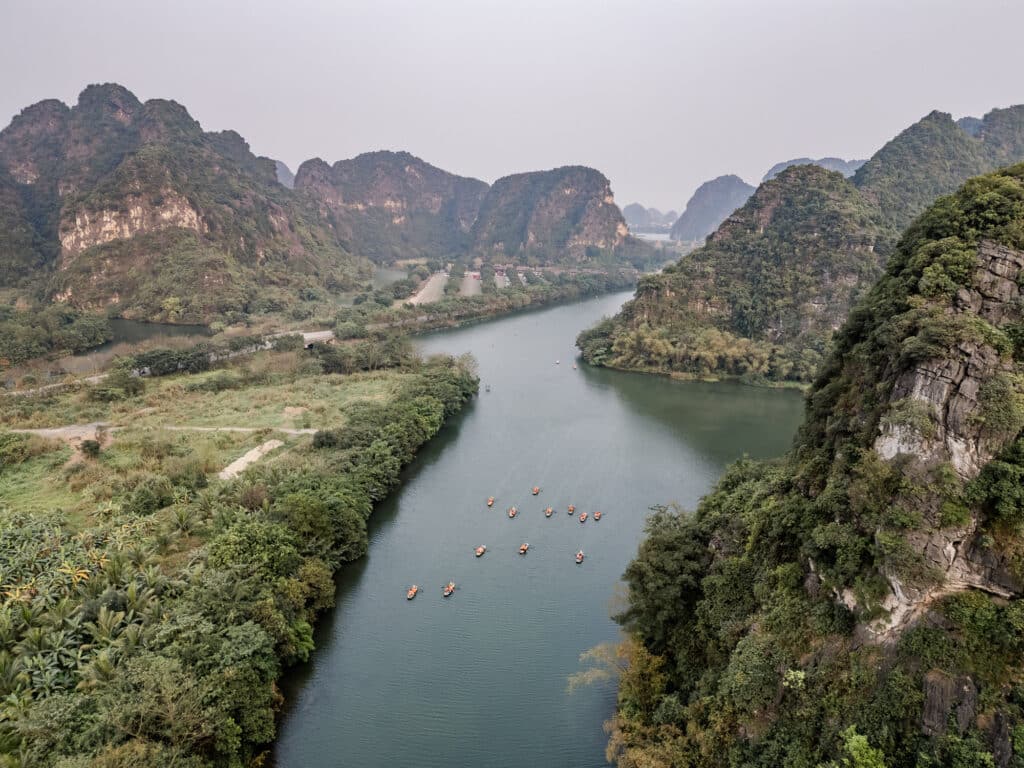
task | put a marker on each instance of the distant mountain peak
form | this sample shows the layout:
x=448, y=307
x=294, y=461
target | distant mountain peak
x=710, y=205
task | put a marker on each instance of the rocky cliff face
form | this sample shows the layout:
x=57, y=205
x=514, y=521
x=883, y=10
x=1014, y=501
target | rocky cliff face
x=102, y=184
x=710, y=205
x=948, y=393
x=563, y=215
x=873, y=577
x=395, y=205
x=91, y=228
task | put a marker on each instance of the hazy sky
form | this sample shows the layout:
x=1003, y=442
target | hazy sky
x=658, y=95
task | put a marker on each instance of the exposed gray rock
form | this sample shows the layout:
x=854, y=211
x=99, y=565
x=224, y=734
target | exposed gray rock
x=943, y=696
x=947, y=390
x=999, y=741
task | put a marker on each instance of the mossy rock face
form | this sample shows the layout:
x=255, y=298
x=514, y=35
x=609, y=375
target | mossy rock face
x=879, y=562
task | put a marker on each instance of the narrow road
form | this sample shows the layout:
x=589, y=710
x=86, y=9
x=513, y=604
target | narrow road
x=432, y=290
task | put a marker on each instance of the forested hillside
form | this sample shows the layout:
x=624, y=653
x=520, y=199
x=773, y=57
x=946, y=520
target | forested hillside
x=858, y=601
x=762, y=298
x=131, y=208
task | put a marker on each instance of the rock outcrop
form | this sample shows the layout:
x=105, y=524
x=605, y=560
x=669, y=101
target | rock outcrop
x=394, y=204
x=120, y=204
x=563, y=215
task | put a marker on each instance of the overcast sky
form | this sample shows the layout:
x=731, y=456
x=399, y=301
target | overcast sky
x=658, y=95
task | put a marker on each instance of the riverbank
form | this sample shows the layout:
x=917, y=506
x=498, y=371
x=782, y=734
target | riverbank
x=469, y=681
x=177, y=586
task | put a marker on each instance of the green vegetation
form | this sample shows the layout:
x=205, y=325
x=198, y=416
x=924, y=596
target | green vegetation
x=396, y=205
x=760, y=625
x=455, y=309
x=208, y=231
x=933, y=157
x=149, y=607
x=760, y=300
x=47, y=330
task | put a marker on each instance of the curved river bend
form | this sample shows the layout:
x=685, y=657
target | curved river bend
x=479, y=679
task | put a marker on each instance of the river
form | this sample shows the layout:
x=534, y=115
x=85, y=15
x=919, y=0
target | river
x=479, y=679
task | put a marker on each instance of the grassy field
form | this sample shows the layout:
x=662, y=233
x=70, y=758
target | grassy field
x=269, y=392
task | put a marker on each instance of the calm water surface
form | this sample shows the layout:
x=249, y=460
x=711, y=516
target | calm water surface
x=479, y=679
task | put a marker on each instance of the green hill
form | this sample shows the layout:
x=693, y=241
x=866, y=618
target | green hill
x=563, y=216
x=763, y=297
x=858, y=600
x=131, y=208
x=761, y=300
x=394, y=205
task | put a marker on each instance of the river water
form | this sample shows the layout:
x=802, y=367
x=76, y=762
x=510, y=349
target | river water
x=479, y=679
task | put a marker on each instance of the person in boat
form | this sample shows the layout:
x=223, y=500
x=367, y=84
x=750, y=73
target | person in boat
x=490, y=501
x=579, y=556
x=597, y=515
x=480, y=550
x=572, y=508
x=536, y=490
x=583, y=517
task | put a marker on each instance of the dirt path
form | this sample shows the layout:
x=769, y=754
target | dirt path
x=239, y=465
x=432, y=290
x=70, y=433
x=471, y=286
x=284, y=430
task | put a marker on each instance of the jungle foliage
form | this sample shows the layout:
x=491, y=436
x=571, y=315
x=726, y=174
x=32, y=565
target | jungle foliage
x=150, y=629
x=750, y=615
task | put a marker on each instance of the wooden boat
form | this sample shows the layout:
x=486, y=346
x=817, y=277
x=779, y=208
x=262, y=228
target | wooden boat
x=597, y=515
x=523, y=548
x=449, y=588
x=572, y=508
x=490, y=501
x=413, y=591
x=535, y=490
x=579, y=557
x=479, y=551
x=512, y=512
x=583, y=517
x=548, y=511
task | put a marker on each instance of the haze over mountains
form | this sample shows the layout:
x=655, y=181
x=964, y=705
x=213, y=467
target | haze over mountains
x=763, y=297
x=132, y=208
